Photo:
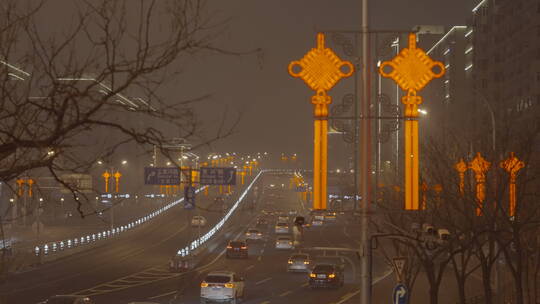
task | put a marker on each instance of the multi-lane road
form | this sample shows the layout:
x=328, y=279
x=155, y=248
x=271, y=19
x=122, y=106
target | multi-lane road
x=134, y=267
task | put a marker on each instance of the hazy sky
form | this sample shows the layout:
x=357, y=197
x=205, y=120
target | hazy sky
x=277, y=114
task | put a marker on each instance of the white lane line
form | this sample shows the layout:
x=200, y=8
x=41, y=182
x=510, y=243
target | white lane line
x=162, y=295
x=346, y=297
x=259, y=258
x=263, y=281
x=249, y=267
x=286, y=293
x=305, y=284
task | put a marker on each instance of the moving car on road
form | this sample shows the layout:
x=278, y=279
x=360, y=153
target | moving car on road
x=237, y=249
x=299, y=262
x=198, y=221
x=284, y=242
x=253, y=234
x=330, y=216
x=282, y=227
x=222, y=286
x=326, y=275
x=67, y=299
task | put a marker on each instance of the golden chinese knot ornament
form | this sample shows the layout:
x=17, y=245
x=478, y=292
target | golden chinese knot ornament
x=320, y=69
x=412, y=69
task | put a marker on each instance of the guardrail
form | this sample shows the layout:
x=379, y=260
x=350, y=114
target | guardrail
x=198, y=242
x=58, y=246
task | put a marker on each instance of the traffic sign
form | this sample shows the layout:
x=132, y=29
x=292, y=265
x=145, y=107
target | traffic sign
x=189, y=197
x=399, y=266
x=400, y=294
x=217, y=176
x=161, y=176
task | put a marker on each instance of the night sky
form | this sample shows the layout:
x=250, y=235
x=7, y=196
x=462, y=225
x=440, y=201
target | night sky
x=276, y=109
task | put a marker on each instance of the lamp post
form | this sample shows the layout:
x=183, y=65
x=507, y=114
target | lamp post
x=114, y=172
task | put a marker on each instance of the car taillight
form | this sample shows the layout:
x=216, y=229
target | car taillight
x=332, y=275
x=229, y=247
x=247, y=233
x=306, y=262
x=244, y=247
x=229, y=285
x=312, y=275
x=290, y=243
x=290, y=262
x=204, y=284
x=259, y=233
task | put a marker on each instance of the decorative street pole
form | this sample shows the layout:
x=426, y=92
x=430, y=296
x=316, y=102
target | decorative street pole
x=512, y=165
x=117, y=176
x=461, y=167
x=320, y=69
x=480, y=166
x=412, y=70
x=106, y=176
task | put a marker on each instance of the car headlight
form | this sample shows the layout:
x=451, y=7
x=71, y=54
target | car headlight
x=204, y=284
x=229, y=285
x=332, y=275
x=312, y=275
x=306, y=262
x=290, y=262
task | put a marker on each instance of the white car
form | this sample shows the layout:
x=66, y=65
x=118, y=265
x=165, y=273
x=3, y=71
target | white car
x=284, y=242
x=299, y=262
x=293, y=212
x=198, y=221
x=253, y=234
x=222, y=286
x=282, y=227
x=283, y=219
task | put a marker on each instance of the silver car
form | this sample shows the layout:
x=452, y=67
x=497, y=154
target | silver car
x=300, y=262
x=282, y=228
x=284, y=242
x=253, y=234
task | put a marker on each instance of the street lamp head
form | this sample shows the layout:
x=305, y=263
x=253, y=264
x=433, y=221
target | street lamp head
x=99, y=162
x=41, y=199
x=124, y=162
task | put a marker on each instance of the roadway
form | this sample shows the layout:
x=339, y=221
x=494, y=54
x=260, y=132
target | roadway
x=134, y=267
x=143, y=248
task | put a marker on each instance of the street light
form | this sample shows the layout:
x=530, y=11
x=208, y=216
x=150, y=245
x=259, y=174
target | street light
x=124, y=162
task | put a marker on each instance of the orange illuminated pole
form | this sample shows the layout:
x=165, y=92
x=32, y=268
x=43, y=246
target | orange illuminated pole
x=320, y=69
x=424, y=195
x=220, y=189
x=106, y=176
x=30, y=182
x=512, y=165
x=20, y=183
x=461, y=167
x=412, y=70
x=229, y=189
x=117, y=176
x=242, y=174
x=480, y=166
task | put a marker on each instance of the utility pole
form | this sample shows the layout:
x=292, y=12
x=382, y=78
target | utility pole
x=365, y=249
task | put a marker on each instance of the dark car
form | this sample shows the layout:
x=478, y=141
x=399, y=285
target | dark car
x=326, y=275
x=237, y=249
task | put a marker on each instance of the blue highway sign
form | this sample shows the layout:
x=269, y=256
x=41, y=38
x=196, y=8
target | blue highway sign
x=217, y=176
x=400, y=294
x=161, y=176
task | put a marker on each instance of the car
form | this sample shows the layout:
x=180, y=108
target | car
x=299, y=262
x=262, y=222
x=237, y=249
x=253, y=234
x=222, y=286
x=316, y=222
x=282, y=227
x=284, y=242
x=293, y=212
x=326, y=275
x=330, y=216
x=198, y=221
x=283, y=219
x=67, y=299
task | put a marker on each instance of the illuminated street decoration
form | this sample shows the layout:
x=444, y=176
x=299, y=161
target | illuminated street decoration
x=461, y=167
x=106, y=176
x=117, y=176
x=512, y=165
x=320, y=69
x=480, y=167
x=412, y=70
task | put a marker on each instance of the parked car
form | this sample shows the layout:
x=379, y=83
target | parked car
x=284, y=242
x=238, y=249
x=299, y=262
x=67, y=299
x=222, y=286
x=326, y=275
x=198, y=221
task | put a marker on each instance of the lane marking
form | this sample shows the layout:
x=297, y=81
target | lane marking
x=263, y=281
x=265, y=302
x=305, y=284
x=259, y=258
x=162, y=295
x=346, y=297
x=249, y=267
x=288, y=292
